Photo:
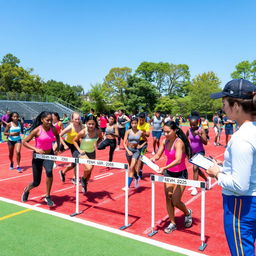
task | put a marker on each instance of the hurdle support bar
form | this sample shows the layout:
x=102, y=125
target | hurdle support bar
x=126, y=207
x=77, y=212
x=182, y=182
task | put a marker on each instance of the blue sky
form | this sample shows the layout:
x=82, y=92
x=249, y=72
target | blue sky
x=78, y=42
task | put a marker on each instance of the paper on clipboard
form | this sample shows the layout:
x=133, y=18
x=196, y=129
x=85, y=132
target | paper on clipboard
x=149, y=163
x=201, y=161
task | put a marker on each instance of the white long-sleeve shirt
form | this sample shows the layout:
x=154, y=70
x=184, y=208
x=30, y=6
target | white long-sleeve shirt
x=238, y=175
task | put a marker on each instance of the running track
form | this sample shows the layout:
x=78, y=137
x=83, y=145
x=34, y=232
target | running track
x=104, y=201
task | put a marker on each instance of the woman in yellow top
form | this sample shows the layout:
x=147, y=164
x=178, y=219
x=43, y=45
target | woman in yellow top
x=205, y=126
x=89, y=138
x=71, y=131
x=145, y=128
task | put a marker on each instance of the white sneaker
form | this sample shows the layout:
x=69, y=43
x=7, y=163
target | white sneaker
x=208, y=183
x=153, y=153
x=194, y=192
x=117, y=149
x=137, y=182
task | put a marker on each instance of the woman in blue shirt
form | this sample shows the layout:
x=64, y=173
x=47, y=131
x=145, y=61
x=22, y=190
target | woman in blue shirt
x=238, y=175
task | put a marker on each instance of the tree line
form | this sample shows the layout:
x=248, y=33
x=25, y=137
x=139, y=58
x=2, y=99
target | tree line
x=152, y=86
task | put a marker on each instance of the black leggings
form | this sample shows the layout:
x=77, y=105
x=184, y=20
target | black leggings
x=111, y=143
x=37, y=167
x=121, y=132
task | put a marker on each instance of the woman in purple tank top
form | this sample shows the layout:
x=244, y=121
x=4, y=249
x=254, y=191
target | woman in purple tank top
x=197, y=138
x=176, y=147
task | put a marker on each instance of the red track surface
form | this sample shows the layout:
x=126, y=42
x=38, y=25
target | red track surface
x=104, y=203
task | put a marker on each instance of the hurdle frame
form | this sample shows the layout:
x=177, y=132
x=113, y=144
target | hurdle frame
x=95, y=162
x=183, y=182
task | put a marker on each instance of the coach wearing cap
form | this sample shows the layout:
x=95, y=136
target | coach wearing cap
x=238, y=175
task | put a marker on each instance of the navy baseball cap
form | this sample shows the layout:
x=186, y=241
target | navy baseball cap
x=237, y=88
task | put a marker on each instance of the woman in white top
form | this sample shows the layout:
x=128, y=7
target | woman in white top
x=238, y=175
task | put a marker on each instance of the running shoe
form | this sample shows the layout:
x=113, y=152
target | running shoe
x=194, y=192
x=153, y=153
x=19, y=169
x=84, y=185
x=171, y=227
x=62, y=176
x=49, y=201
x=137, y=182
x=11, y=166
x=188, y=219
x=25, y=194
x=208, y=183
x=73, y=180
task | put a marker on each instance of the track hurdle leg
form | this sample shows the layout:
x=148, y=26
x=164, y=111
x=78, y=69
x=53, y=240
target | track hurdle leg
x=126, y=224
x=203, y=244
x=77, y=190
x=153, y=231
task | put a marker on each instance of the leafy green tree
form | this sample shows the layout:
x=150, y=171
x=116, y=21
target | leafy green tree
x=10, y=59
x=201, y=88
x=177, y=80
x=141, y=95
x=243, y=70
x=98, y=98
x=165, y=105
x=116, y=82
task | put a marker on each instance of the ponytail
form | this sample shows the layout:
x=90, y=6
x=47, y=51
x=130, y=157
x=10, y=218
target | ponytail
x=38, y=120
x=180, y=135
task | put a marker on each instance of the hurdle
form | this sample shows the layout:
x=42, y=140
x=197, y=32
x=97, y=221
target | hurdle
x=183, y=182
x=78, y=161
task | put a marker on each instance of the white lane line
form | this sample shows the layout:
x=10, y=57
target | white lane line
x=101, y=176
x=106, y=228
x=16, y=177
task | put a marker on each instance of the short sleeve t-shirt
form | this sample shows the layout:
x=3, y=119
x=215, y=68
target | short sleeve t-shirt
x=227, y=126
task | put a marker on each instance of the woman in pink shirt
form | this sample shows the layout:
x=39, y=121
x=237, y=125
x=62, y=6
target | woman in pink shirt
x=103, y=123
x=45, y=134
x=176, y=147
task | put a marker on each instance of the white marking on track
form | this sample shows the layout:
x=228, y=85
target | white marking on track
x=16, y=177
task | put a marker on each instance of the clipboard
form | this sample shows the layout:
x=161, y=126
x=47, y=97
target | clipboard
x=201, y=161
x=149, y=163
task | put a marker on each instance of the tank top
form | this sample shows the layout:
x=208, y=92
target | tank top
x=205, y=124
x=157, y=123
x=45, y=139
x=15, y=129
x=88, y=143
x=134, y=138
x=71, y=135
x=170, y=154
x=110, y=130
x=57, y=126
x=121, y=120
x=195, y=142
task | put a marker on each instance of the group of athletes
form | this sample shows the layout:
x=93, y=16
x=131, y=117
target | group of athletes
x=83, y=138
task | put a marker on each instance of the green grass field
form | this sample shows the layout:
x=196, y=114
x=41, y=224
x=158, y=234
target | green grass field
x=34, y=233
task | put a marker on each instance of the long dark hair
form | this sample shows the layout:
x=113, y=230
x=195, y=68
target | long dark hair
x=11, y=115
x=38, y=120
x=92, y=117
x=57, y=115
x=114, y=117
x=181, y=135
x=133, y=119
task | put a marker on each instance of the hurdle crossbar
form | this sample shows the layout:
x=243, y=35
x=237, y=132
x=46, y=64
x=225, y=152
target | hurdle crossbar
x=91, y=162
x=182, y=182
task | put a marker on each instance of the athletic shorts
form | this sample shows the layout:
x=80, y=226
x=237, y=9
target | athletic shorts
x=181, y=175
x=229, y=131
x=70, y=146
x=157, y=134
x=143, y=150
x=217, y=130
x=12, y=143
x=135, y=154
x=103, y=129
x=201, y=153
x=91, y=155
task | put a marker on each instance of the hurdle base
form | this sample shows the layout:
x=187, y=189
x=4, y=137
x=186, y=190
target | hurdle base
x=125, y=226
x=75, y=213
x=202, y=246
x=152, y=233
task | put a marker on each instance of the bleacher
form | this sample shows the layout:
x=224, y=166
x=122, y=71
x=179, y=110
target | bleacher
x=30, y=109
